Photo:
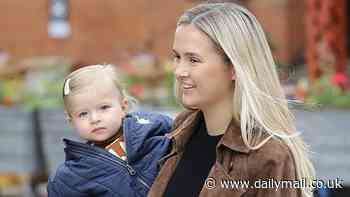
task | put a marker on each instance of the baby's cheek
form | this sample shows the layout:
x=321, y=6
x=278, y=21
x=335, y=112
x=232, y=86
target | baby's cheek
x=82, y=127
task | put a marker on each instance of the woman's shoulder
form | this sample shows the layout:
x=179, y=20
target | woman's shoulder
x=273, y=158
x=275, y=150
x=183, y=117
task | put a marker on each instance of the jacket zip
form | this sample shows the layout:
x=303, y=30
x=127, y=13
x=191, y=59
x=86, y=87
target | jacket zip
x=123, y=163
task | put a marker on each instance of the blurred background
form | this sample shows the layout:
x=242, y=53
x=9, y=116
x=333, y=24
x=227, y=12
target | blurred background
x=41, y=41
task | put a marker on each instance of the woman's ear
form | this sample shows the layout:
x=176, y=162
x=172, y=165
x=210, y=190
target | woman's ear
x=124, y=104
x=232, y=73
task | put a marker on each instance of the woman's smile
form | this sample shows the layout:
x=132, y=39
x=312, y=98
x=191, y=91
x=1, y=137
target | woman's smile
x=187, y=88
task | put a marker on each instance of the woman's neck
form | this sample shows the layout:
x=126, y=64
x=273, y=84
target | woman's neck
x=218, y=116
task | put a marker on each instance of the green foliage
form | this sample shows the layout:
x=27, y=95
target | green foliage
x=43, y=87
x=169, y=84
x=10, y=89
x=160, y=93
x=325, y=93
x=39, y=87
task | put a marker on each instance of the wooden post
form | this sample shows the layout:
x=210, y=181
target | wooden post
x=40, y=174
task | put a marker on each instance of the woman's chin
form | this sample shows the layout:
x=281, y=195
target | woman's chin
x=189, y=102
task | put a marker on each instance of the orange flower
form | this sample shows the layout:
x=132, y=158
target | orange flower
x=7, y=101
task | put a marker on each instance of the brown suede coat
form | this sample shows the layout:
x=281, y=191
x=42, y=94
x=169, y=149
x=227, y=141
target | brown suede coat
x=234, y=162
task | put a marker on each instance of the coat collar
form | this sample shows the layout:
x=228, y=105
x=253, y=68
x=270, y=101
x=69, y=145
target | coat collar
x=232, y=138
x=188, y=121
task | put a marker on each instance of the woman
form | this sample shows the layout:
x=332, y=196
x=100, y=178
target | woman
x=238, y=126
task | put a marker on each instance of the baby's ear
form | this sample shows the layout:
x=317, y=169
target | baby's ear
x=68, y=117
x=124, y=104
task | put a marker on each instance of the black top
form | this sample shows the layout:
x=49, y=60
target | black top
x=195, y=164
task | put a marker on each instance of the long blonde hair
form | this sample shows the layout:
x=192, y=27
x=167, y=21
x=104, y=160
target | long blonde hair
x=259, y=101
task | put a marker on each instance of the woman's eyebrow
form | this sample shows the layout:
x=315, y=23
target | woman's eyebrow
x=188, y=54
x=173, y=52
x=192, y=54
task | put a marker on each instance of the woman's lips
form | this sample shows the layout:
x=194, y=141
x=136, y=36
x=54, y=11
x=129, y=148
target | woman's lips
x=187, y=87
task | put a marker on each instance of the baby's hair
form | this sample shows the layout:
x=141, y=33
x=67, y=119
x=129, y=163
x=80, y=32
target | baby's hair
x=88, y=76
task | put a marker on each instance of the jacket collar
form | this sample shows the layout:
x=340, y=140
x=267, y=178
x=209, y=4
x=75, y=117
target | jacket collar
x=232, y=138
x=188, y=121
x=184, y=126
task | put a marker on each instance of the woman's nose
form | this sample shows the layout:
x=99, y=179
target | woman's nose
x=181, y=71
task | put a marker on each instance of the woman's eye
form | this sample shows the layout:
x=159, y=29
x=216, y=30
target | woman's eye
x=175, y=57
x=194, y=60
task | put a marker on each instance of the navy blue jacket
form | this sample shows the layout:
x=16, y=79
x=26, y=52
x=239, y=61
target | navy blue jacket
x=92, y=171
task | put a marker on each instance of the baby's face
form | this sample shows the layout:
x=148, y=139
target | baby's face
x=96, y=113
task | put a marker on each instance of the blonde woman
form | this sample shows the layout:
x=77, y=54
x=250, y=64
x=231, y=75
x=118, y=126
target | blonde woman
x=237, y=137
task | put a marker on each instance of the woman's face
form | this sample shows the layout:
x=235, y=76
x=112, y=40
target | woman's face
x=203, y=77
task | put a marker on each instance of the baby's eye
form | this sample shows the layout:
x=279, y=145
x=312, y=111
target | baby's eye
x=105, y=107
x=82, y=114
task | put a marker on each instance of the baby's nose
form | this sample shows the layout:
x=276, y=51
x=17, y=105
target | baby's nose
x=94, y=118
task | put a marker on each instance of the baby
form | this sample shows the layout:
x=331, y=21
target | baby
x=122, y=149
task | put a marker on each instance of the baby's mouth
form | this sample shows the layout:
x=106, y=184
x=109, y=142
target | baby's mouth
x=98, y=129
